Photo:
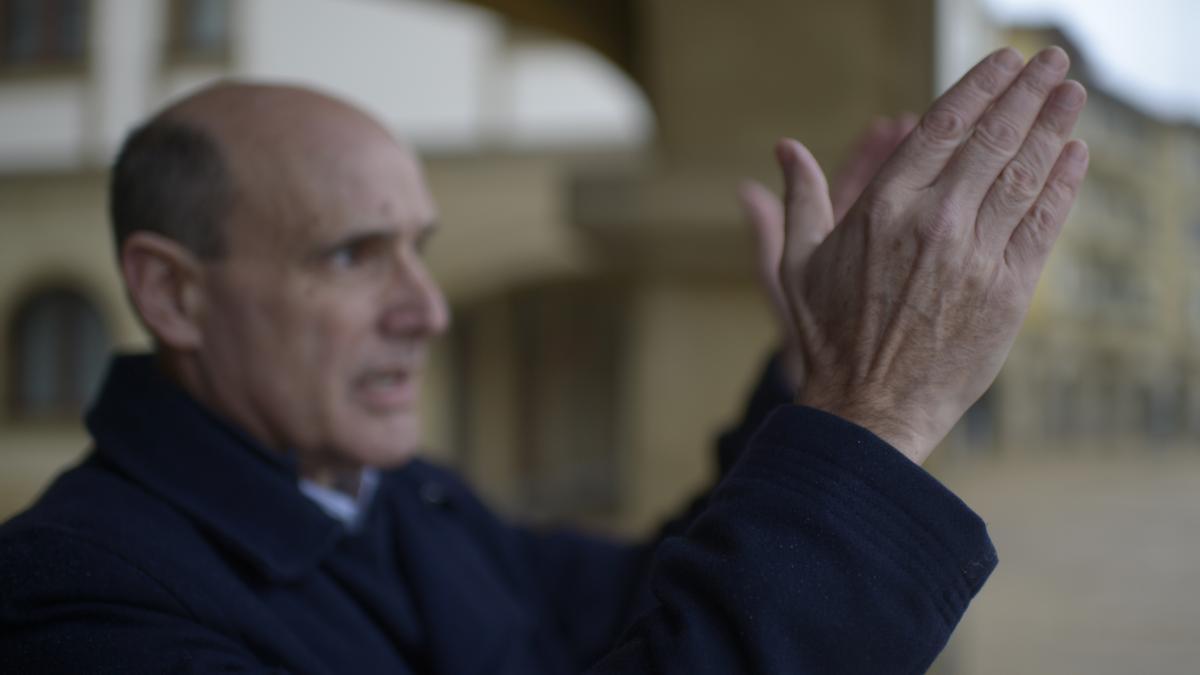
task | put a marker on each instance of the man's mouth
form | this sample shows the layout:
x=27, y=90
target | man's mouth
x=387, y=390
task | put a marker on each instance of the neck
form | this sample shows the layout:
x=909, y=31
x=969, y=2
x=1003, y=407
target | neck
x=344, y=479
x=320, y=468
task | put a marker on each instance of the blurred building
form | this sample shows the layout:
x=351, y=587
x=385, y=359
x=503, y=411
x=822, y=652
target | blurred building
x=1108, y=360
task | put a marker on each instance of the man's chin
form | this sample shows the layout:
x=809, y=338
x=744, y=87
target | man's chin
x=385, y=448
x=390, y=459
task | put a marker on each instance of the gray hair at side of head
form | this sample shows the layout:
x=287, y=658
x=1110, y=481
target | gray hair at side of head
x=170, y=178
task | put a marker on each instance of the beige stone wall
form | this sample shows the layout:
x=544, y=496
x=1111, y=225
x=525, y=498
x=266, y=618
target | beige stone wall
x=54, y=233
x=695, y=349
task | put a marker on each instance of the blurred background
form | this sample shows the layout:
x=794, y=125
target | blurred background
x=585, y=155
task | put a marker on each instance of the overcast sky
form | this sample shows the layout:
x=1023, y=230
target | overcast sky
x=1148, y=50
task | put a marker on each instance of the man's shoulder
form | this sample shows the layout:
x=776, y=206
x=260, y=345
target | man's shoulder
x=90, y=524
x=89, y=499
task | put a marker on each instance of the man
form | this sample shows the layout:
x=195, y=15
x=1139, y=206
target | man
x=252, y=504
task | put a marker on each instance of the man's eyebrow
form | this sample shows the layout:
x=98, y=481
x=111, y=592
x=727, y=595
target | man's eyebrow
x=376, y=235
x=365, y=236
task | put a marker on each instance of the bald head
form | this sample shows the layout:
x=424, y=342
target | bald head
x=229, y=146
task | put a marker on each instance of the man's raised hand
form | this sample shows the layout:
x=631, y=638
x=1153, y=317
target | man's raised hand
x=906, y=311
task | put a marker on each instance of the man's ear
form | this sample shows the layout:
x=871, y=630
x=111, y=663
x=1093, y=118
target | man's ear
x=165, y=283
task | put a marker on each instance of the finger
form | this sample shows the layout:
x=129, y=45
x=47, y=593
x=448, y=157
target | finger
x=870, y=150
x=1002, y=130
x=1030, y=243
x=1021, y=181
x=850, y=177
x=808, y=212
x=764, y=212
x=902, y=126
x=898, y=129
x=949, y=121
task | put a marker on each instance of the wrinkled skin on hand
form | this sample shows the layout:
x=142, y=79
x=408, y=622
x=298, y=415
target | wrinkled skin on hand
x=905, y=312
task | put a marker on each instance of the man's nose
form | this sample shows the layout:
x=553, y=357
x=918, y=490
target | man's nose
x=416, y=306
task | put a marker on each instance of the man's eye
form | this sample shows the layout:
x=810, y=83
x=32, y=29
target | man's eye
x=344, y=257
x=361, y=253
x=353, y=254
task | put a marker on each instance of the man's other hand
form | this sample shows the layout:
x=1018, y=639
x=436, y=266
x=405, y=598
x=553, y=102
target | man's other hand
x=906, y=311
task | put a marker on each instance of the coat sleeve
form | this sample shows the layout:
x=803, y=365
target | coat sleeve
x=610, y=578
x=68, y=605
x=824, y=550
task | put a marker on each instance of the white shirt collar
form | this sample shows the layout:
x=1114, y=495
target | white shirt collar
x=347, y=509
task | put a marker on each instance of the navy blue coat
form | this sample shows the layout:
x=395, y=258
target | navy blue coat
x=178, y=545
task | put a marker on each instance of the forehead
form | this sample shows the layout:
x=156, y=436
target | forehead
x=317, y=192
x=374, y=181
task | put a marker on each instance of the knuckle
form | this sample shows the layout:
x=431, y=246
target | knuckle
x=1018, y=184
x=1043, y=215
x=999, y=133
x=993, y=74
x=978, y=277
x=1057, y=192
x=943, y=125
x=1059, y=122
x=1033, y=83
x=877, y=209
x=940, y=224
x=989, y=81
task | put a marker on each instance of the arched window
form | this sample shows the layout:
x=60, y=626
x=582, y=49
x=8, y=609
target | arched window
x=59, y=348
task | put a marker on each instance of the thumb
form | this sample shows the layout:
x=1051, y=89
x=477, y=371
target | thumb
x=808, y=212
x=764, y=211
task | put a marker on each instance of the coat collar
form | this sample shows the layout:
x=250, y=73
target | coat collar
x=232, y=487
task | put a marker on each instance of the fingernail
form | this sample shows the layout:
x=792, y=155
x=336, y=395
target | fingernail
x=1009, y=59
x=1070, y=96
x=1053, y=57
x=784, y=152
x=1077, y=151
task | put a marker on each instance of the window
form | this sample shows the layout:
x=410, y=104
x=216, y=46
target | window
x=59, y=350
x=199, y=30
x=37, y=33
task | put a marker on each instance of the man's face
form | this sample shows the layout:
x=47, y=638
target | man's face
x=318, y=317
